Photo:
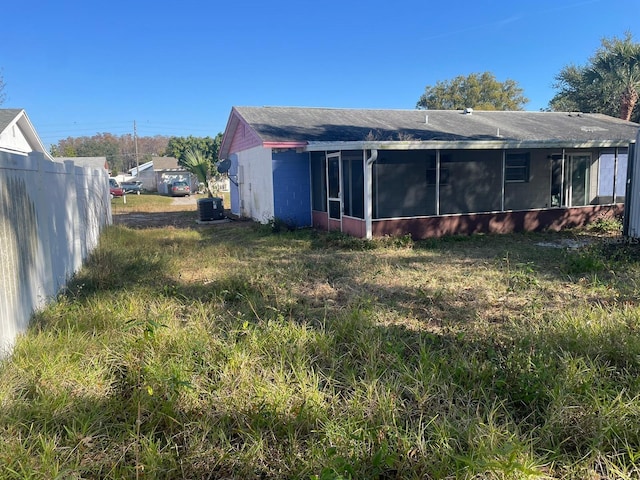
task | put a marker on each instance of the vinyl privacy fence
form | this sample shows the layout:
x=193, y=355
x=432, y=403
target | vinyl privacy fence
x=51, y=215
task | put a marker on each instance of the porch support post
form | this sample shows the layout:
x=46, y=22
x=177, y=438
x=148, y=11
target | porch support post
x=368, y=193
x=437, y=182
x=565, y=191
x=615, y=173
x=504, y=170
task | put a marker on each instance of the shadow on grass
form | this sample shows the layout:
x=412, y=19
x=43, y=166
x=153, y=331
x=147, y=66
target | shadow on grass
x=551, y=389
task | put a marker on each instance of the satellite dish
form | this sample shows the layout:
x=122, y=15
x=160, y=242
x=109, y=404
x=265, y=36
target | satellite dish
x=224, y=166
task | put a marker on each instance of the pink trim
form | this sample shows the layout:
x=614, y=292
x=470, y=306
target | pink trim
x=553, y=219
x=238, y=136
x=335, y=225
x=320, y=220
x=354, y=227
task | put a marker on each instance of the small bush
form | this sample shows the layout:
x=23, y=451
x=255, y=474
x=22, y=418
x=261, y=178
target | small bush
x=606, y=226
x=279, y=225
x=586, y=260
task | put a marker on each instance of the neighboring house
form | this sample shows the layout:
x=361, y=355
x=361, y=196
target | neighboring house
x=160, y=172
x=145, y=174
x=17, y=135
x=425, y=172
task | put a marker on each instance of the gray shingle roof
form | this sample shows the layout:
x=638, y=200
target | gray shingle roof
x=8, y=115
x=281, y=124
x=165, y=163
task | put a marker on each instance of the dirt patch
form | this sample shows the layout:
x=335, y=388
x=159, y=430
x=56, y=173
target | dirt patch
x=183, y=219
x=190, y=200
x=184, y=214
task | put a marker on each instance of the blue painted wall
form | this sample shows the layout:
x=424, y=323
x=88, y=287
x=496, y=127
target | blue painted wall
x=292, y=188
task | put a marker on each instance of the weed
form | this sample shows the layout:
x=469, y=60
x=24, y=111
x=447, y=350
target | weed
x=583, y=260
x=606, y=225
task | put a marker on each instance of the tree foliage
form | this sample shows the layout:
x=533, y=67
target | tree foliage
x=479, y=91
x=119, y=150
x=609, y=83
x=208, y=147
x=197, y=163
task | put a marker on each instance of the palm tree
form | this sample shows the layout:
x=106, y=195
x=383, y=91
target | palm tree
x=616, y=69
x=195, y=162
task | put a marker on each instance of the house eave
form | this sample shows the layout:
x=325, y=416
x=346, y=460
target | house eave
x=464, y=144
x=296, y=145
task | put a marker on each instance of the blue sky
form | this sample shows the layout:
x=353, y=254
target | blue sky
x=176, y=68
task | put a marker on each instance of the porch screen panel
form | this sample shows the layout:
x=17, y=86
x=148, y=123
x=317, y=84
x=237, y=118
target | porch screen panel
x=400, y=186
x=353, y=183
x=318, y=181
x=534, y=192
x=621, y=174
x=606, y=174
x=577, y=176
x=474, y=181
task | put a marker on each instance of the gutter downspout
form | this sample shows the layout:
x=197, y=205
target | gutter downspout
x=368, y=194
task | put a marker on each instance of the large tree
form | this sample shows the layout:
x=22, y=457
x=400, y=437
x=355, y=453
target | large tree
x=478, y=90
x=609, y=83
x=207, y=147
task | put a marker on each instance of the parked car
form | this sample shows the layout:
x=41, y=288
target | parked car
x=132, y=186
x=114, y=188
x=179, y=189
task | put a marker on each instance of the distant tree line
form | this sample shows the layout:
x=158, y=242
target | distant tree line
x=120, y=150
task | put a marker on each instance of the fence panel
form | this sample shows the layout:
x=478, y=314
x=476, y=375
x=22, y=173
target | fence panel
x=51, y=215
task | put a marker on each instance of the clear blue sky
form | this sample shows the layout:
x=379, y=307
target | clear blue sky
x=176, y=68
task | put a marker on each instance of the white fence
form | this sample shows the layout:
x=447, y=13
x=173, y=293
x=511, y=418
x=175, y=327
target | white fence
x=51, y=215
x=632, y=202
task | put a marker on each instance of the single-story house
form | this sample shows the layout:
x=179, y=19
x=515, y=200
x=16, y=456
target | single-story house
x=425, y=172
x=17, y=135
x=157, y=174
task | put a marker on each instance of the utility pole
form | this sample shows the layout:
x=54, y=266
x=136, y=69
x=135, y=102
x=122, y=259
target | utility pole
x=135, y=141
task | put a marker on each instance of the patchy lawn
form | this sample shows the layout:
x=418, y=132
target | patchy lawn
x=233, y=352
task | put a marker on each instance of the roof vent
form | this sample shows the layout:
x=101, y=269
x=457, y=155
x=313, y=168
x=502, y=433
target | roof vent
x=468, y=111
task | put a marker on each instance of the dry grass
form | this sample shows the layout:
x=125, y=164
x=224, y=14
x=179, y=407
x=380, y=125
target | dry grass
x=231, y=352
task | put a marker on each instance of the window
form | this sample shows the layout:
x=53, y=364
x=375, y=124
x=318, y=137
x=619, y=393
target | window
x=516, y=168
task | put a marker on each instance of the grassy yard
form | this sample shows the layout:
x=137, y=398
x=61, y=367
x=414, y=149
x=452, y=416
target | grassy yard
x=232, y=352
